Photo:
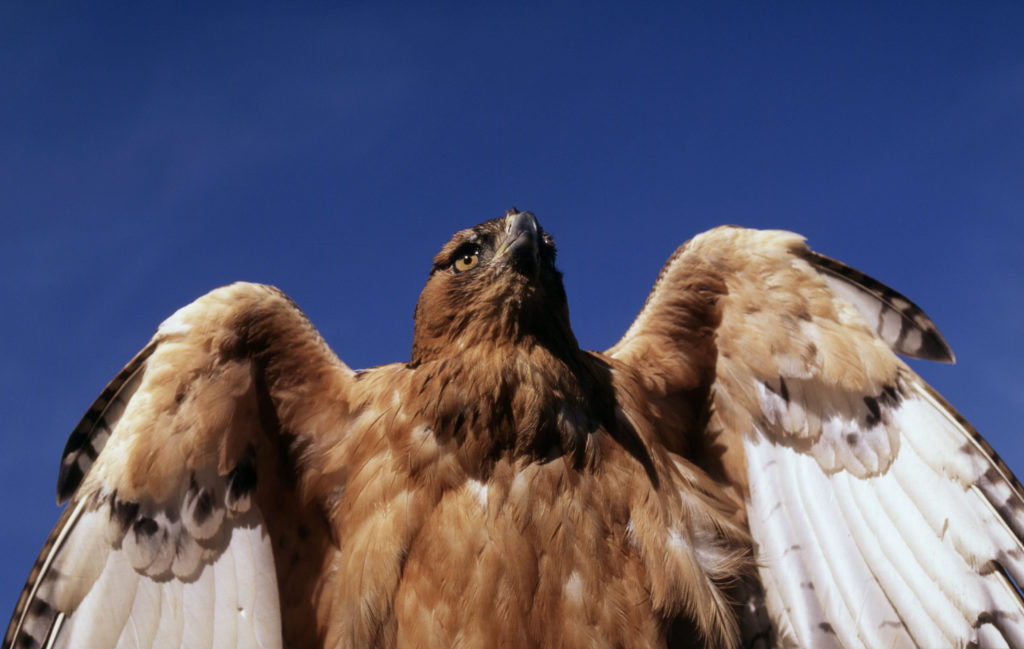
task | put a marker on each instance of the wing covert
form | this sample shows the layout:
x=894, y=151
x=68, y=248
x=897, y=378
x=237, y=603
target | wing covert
x=880, y=516
x=168, y=537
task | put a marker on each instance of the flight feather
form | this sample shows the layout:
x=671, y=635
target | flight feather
x=750, y=465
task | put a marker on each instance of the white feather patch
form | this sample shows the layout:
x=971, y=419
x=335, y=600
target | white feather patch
x=903, y=557
x=231, y=600
x=479, y=491
x=842, y=430
x=177, y=324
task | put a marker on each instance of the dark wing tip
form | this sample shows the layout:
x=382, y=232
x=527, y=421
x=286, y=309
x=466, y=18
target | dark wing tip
x=90, y=435
x=935, y=348
x=68, y=479
x=903, y=325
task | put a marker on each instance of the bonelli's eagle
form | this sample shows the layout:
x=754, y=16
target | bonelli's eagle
x=750, y=465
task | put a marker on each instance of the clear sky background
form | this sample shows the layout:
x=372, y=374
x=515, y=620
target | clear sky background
x=149, y=154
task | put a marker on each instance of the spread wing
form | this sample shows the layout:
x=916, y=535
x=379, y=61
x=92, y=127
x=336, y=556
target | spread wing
x=175, y=484
x=880, y=516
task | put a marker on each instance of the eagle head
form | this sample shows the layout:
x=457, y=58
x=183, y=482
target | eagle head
x=493, y=284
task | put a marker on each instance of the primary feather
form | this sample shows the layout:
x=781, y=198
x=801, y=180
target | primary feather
x=751, y=464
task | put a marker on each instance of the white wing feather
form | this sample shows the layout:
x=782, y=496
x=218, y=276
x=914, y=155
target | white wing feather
x=880, y=518
x=179, y=560
x=892, y=528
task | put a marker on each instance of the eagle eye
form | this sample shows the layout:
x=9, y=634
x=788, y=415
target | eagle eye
x=467, y=257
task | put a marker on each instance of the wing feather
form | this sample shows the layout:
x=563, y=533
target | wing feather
x=164, y=542
x=880, y=516
x=90, y=435
x=225, y=622
x=898, y=321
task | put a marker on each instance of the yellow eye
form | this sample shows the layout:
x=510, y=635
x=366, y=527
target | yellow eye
x=466, y=261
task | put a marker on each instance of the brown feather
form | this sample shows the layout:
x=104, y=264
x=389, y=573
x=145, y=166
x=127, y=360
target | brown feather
x=790, y=356
x=507, y=488
x=504, y=487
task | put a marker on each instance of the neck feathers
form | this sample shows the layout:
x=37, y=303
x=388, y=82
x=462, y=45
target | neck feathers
x=521, y=400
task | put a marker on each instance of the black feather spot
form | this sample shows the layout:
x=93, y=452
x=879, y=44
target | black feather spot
x=890, y=395
x=851, y=439
x=68, y=479
x=79, y=437
x=783, y=389
x=145, y=526
x=39, y=608
x=90, y=451
x=242, y=479
x=124, y=512
x=874, y=412
x=25, y=641
x=827, y=628
x=203, y=508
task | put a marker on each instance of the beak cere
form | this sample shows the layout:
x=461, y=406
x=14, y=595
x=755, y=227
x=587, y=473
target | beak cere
x=521, y=237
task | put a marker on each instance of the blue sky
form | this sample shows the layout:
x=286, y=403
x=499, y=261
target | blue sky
x=149, y=154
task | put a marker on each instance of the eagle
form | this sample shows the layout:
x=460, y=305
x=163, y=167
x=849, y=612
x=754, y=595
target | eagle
x=751, y=465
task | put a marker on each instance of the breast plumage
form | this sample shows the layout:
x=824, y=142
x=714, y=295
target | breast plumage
x=750, y=465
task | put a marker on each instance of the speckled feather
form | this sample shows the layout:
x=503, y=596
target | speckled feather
x=880, y=517
x=706, y=482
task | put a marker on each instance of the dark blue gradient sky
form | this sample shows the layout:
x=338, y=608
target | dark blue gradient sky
x=149, y=154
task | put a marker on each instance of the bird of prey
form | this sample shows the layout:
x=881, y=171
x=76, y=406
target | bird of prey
x=750, y=465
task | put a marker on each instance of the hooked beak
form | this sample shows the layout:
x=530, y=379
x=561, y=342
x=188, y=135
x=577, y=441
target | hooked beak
x=521, y=235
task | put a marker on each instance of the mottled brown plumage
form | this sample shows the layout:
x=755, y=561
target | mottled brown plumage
x=238, y=485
